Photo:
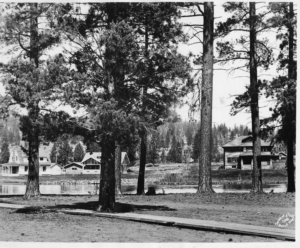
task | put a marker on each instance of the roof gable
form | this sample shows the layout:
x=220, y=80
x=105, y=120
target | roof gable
x=94, y=155
x=97, y=157
x=242, y=141
x=44, y=152
x=78, y=165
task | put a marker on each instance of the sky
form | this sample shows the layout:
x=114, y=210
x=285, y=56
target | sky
x=225, y=85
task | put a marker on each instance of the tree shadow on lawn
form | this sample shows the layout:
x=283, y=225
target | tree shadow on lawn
x=119, y=207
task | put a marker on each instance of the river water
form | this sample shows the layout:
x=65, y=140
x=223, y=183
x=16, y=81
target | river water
x=167, y=189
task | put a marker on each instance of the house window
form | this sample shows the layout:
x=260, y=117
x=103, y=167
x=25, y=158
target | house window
x=92, y=167
x=15, y=170
x=41, y=159
x=232, y=160
x=44, y=168
x=247, y=160
x=74, y=168
x=26, y=168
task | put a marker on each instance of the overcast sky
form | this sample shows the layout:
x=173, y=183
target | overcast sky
x=226, y=85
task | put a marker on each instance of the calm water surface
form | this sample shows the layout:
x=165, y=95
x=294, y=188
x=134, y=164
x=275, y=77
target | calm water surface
x=90, y=189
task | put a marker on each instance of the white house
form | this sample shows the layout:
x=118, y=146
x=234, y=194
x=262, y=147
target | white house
x=91, y=164
x=18, y=162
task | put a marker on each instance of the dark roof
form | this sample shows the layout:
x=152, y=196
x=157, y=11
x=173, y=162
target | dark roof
x=79, y=165
x=242, y=141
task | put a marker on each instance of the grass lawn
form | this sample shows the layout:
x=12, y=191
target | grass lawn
x=48, y=226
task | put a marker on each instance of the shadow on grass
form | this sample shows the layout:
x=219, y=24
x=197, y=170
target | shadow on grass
x=119, y=207
x=88, y=205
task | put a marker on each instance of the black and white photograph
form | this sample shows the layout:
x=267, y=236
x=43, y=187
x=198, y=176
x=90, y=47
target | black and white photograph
x=148, y=123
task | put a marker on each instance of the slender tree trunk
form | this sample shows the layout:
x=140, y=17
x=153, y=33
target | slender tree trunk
x=254, y=91
x=141, y=178
x=34, y=46
x=32, y=187
x=291, y=135
x=107, y=177
x=205, y=182
x=118, y=173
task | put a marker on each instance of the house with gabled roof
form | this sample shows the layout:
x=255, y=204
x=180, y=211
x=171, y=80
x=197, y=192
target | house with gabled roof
x=238, y=154
x=91, y=164
x=18, y=162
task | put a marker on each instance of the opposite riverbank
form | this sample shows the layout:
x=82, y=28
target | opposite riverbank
x=165, y=174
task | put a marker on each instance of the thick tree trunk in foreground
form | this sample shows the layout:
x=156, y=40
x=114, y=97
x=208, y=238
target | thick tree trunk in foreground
x=205, y=182
x=118, y=170
x=141, y=178
x=254, y=91
x=290, y=166
x=291, y=136
x=107, y=177
x=33, y=187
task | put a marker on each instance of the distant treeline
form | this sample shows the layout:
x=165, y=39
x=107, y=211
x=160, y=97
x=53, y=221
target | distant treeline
x=177, y=142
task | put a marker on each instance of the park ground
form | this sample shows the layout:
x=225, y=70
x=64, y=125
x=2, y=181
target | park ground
x=48, y=226
x=45, y=225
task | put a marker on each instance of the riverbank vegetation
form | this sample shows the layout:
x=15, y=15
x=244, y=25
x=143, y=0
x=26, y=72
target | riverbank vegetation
x=164, y=174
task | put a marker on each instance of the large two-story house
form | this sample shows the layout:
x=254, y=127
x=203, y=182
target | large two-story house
x=18, y=162
x=238, y=154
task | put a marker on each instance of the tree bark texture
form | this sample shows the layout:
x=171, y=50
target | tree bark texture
x=291, y=135
x=205, y=182
x=254, y=92
x=141, y=178
x=107, y=177
x=118, y=173
x=32, y=186
x=34, y=48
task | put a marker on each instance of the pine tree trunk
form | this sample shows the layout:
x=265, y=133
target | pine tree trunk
x=290, y=166
x=107, y=177
x=254, y=91
x=118, y=170
x=205, y=182
x=291, y=76
x=33, y=187
x=141, y=178
x=34, y=48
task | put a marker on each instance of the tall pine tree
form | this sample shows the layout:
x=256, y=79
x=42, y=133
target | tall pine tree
x=78, y=153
